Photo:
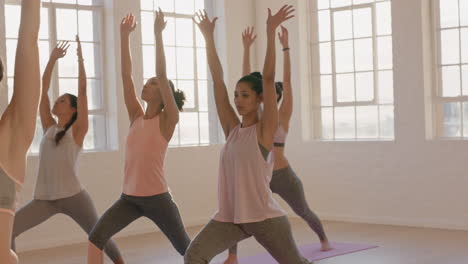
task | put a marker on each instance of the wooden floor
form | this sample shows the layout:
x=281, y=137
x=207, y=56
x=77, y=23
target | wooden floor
x=397, y=245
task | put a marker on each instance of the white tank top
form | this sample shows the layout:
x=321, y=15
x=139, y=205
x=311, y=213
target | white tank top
x=57, y=176
x=244, y=193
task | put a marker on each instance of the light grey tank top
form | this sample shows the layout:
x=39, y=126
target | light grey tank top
x=57, y=176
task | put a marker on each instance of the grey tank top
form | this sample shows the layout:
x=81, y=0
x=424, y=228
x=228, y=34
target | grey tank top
x=57, y=176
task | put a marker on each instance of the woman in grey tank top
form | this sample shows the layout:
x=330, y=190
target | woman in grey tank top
x=58, y=189
x=18, y=122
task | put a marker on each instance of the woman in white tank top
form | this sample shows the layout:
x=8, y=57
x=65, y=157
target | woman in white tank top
x=58, y=190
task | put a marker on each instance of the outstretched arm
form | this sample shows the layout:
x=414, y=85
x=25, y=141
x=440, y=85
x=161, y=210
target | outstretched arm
x=171, y=112
x=226, y=113
x=80, y=128
x=286, y=107
x=127, y=26
x=248, y=39
x=269, y=121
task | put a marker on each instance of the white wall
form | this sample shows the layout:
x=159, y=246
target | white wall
x=411, y=181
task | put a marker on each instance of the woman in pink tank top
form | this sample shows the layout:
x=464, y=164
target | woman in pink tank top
x=284, y=181
x=145, y=191
x=245, y=202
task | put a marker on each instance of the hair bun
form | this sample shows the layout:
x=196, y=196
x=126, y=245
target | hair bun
x=256, y=75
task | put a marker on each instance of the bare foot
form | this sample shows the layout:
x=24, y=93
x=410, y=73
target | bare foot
x=232, y=259
x=326, y=246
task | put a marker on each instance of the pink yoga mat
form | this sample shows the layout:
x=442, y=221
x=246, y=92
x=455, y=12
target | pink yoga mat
x=311, y=252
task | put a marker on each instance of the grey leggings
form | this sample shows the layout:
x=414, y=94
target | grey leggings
x=286, y=184
x=79, y=207
x=273, y=234
x=161, y=209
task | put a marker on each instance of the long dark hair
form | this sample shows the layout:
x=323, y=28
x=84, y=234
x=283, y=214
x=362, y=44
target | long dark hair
x=73, y=104
x=179, y=96
x=1, y=69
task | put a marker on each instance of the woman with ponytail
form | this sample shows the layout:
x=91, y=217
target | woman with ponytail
x=58, y=190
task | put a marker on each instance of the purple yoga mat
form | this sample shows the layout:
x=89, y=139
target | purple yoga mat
x=311, y=252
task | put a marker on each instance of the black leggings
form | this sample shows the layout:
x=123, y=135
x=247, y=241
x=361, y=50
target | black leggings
x=161, y=209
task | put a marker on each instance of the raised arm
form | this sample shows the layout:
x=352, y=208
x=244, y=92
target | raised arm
x=248, y=39
x=269, y=121
x=226, y=113
x=80, y=128
x=127, y=26
x=20, y=115
x=170, y=115
x=286, y=107
x=44, y=108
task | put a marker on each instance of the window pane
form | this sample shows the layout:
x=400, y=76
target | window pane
x=89, y=2
x=44, y=27
x=184, y=7
x=451, y=81
x=326, y=90
x=89, y=50
x=343, y=25
x=199, y=5
x=68, y=86
x=185, y=63
x=200, y=40
x=146, y=4
x=357, y=2
x=68, y=30
x=340, y=3
x=452, y=119
x=204, y=128
x=11, y=55
x=37, y=137
x=448, y=13
x=345, y=87
x=385, y=52
x=184, y=32
x=203, y=95
x=12, y=20
x=345, y=123
x=365, y=86
x=327, y=123
x=450, y=46
x=325, y=58
x=94, y=94
x=465, y=79
x=86, y=25
x=386, y=87
x=68, y=65
x=65, y=1
x=170, y=62
x=188, y=128
x=464, y=12
x=364, y=54
x=43, y=54
x=166, y=5
x=149, y=58
x=10, y=89
x=367, y=122
x=322, y=4
x=344, y=56
x=362, y=22
x=384, y=18
x=188, y=88
x=324, y=25
x=464, y=43
x=96, y=136
x=175, y=137
x=387, y=122
x=202, y=64
x=147, y=21
x=169, y=33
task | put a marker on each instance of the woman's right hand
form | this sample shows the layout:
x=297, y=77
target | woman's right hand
x=128, y=24
x=273, y=21
x=60, y=50
x=206, y=26
x=248, y=37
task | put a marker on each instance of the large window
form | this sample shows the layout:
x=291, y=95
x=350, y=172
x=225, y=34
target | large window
x=353, y=70
x=186, y=64
x=451, y=89
x=62, y=20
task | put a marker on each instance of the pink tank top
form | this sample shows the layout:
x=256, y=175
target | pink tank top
x=144, y=159
x=244, y=194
